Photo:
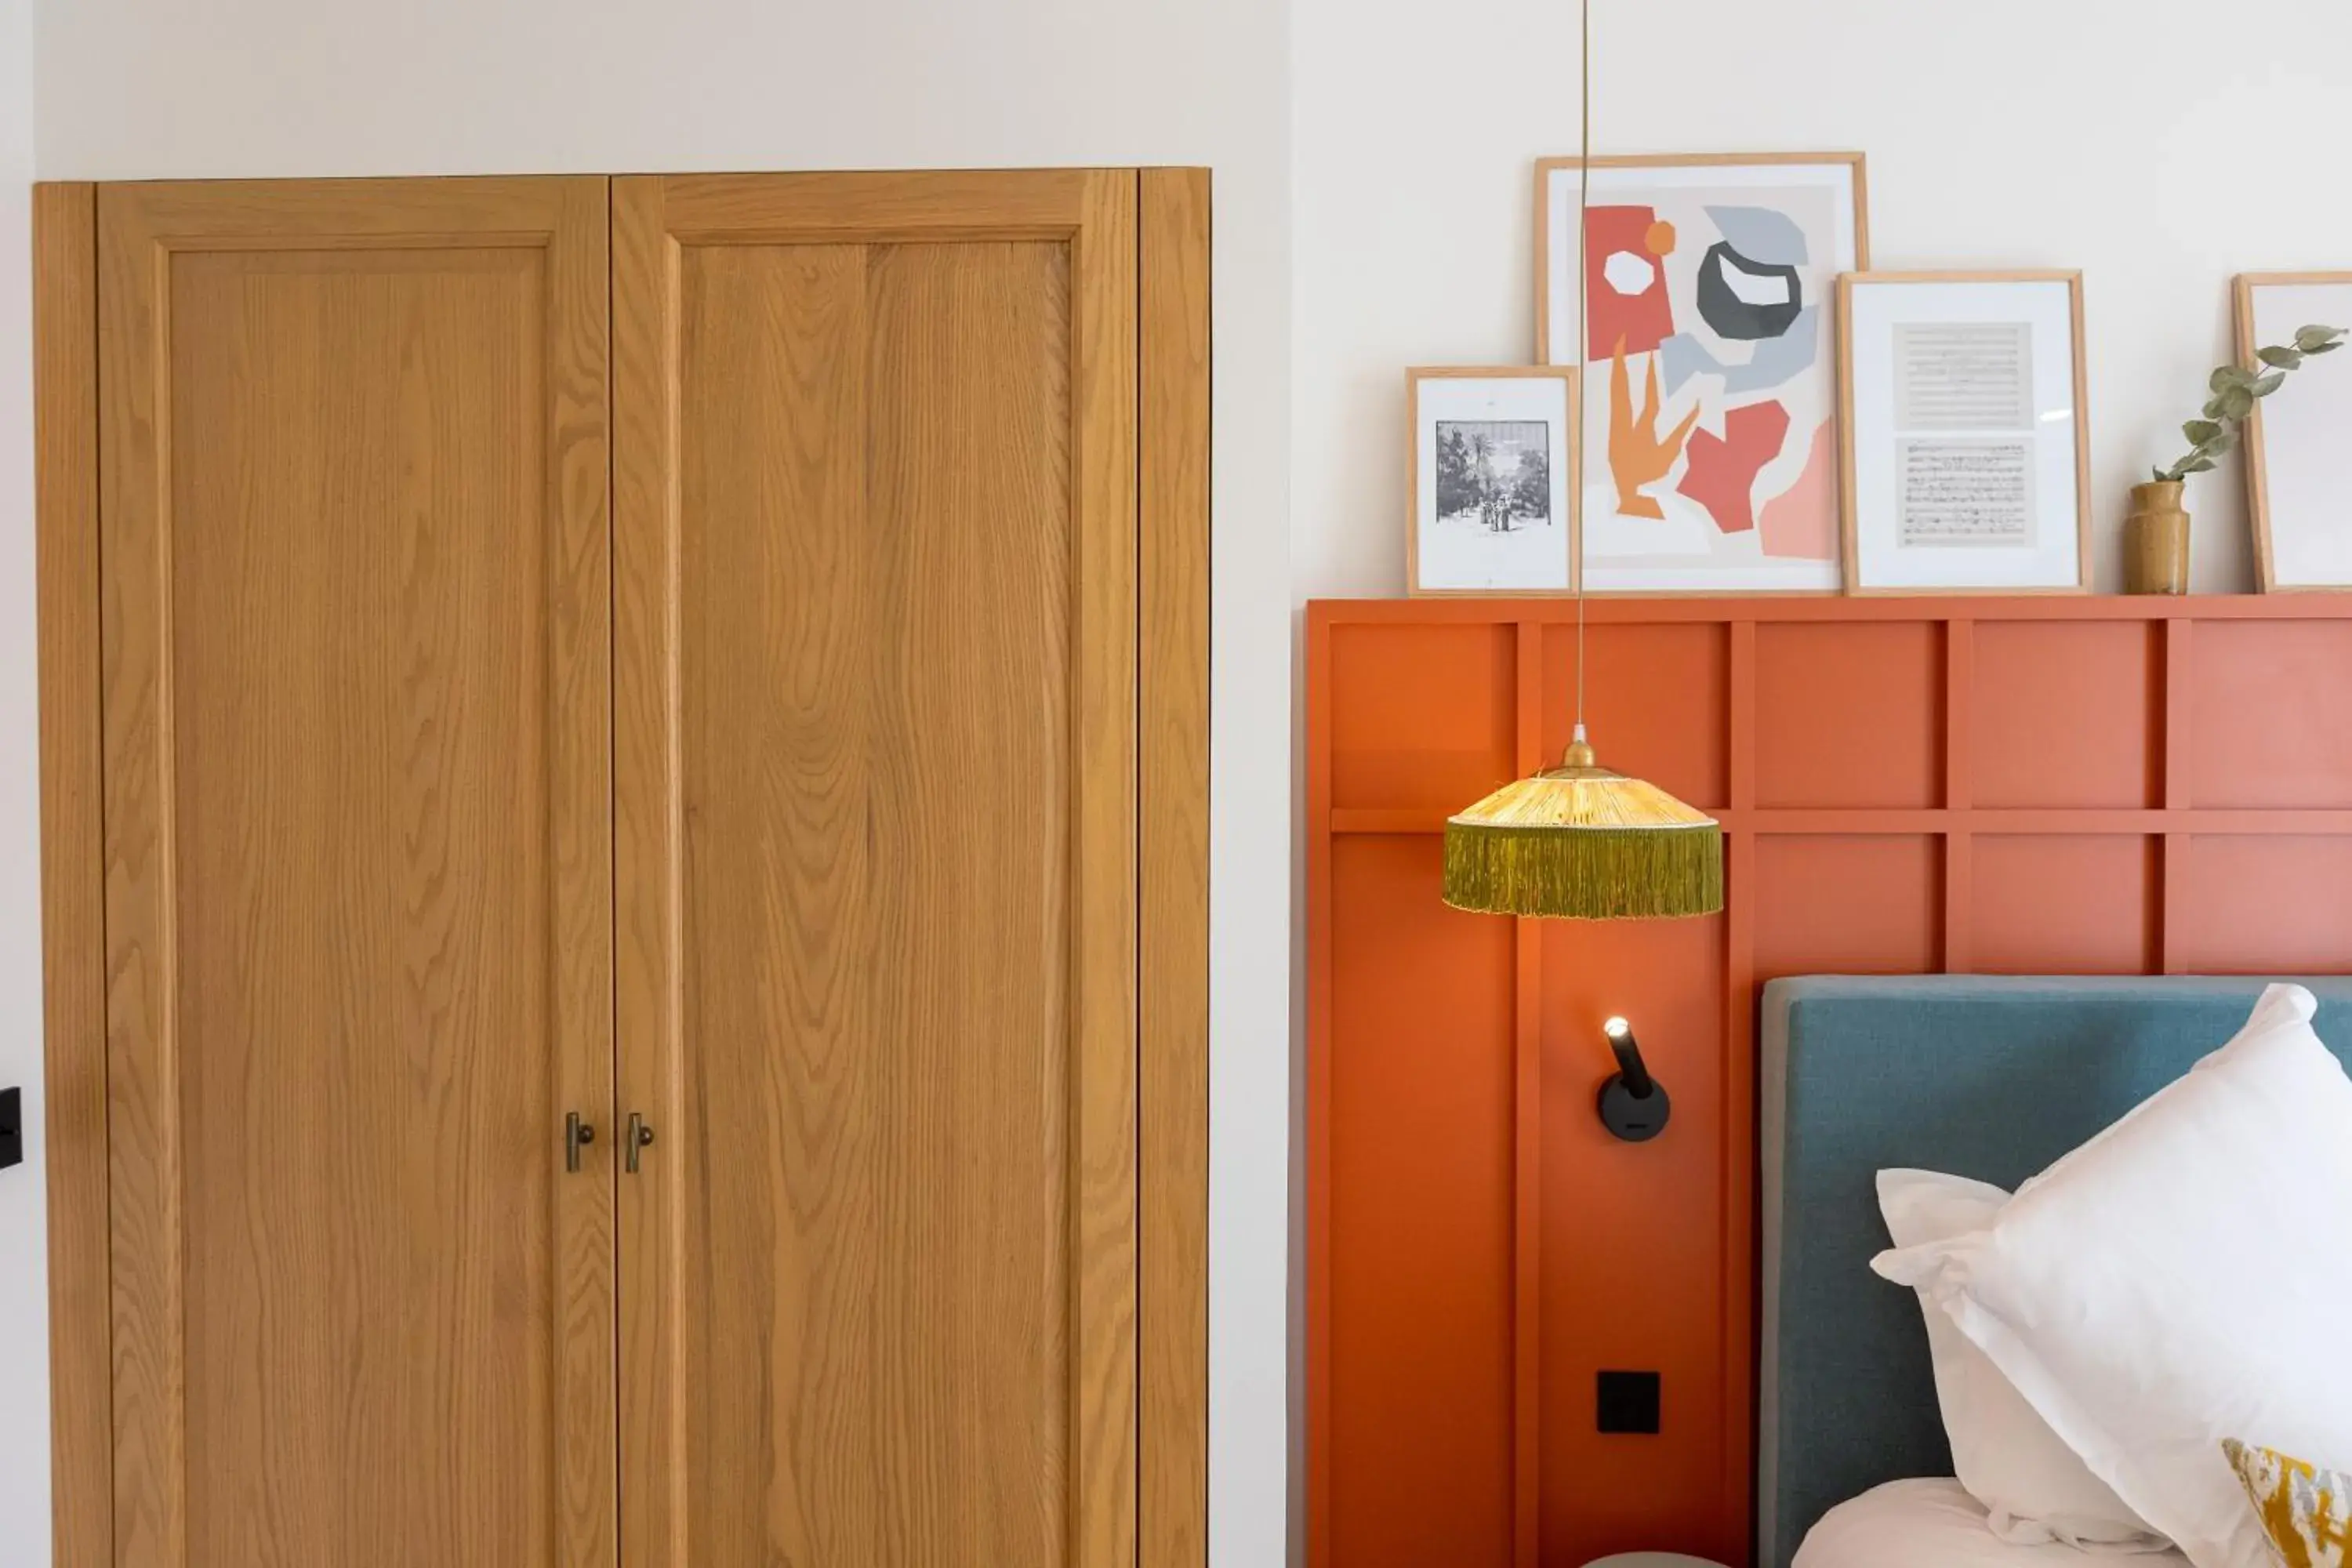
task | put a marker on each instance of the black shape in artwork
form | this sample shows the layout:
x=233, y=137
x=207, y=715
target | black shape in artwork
x=1734, y=317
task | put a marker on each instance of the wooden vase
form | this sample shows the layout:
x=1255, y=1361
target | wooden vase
x=2155, y=540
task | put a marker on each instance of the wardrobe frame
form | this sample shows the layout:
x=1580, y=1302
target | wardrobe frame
x=1172, y=459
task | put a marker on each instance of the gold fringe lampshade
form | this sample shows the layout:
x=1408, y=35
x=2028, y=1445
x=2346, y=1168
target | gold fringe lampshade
x=1578, y=842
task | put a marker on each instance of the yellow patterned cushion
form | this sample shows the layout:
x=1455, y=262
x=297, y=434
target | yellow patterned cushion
x=2306, y=1511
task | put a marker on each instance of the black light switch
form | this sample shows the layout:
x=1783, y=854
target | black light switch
x=1629, y=1401
x=12, y=1127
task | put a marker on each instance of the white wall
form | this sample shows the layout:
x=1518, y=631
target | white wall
x=2116, y=136
x=24, y=1300
x=153, y=88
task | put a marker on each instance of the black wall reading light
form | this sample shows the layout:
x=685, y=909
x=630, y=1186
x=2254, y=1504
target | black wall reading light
x=1633, y=1105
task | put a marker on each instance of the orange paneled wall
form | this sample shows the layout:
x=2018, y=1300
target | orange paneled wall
x=2056, y=785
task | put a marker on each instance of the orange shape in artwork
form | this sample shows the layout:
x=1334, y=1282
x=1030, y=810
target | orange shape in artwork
x=1660, y=238
x=1801, y=522
x=1637, y=457
x=1723, y=469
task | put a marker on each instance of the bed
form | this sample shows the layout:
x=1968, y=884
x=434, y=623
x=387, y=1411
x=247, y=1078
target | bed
x=1982, y=1077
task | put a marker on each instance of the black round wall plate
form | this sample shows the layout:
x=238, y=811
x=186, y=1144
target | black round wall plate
x=1636, y=1120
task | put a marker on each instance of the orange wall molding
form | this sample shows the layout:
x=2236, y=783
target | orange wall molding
x=2065, y=785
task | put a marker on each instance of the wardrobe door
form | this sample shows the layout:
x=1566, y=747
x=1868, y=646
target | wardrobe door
x=876, y=753
x=355, y=679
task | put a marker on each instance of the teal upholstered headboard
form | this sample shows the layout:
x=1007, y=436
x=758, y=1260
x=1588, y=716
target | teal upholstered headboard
x=1987, y=1077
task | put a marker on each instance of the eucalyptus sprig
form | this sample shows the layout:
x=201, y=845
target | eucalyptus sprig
x=2236, y=389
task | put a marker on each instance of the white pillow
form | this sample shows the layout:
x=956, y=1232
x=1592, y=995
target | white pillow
x=2035, y=1489
x=2181, y=1279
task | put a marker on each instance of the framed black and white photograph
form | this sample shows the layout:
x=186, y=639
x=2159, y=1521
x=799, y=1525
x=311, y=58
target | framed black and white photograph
x=1492, y=480
x=1967, y=453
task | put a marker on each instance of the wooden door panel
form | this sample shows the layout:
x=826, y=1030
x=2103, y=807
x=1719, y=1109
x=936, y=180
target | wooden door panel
x=355, y=675
x=876, y=814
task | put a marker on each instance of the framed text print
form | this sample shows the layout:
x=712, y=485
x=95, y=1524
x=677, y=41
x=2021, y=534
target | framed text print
x=1967, y=456
x=1698, y=308
x=2298, y=463
x=1493, y=497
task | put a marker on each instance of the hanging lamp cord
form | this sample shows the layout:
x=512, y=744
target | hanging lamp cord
x=1584, y=290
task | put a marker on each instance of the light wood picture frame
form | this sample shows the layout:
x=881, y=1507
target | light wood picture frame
x=2298, y=480
x=1966, y=417
x=1707, y=447
x=1511, y=480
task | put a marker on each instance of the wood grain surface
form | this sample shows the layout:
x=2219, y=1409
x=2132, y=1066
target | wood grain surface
x=354, y=674
x=909, y=584
x=73, y=927
x=875, y=710
x=1173, y=684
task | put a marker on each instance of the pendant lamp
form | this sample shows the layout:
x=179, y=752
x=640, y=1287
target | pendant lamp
x=1578, y=841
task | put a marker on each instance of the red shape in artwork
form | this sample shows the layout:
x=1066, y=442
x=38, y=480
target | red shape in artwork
x=1721, y=473
x=1637, y=322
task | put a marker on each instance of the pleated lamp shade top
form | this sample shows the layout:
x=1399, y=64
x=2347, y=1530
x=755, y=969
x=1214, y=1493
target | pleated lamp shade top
x=1581, y=842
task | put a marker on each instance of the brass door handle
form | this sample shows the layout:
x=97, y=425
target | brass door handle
x=641, y=1135
x=577, y=1135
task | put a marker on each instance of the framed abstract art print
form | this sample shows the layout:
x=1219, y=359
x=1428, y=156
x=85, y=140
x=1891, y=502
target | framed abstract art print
x=1967, y=453
x=1494, y=506
x=1705, y=340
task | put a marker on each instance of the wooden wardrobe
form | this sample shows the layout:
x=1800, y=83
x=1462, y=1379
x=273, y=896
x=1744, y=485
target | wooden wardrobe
x=624, y=827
